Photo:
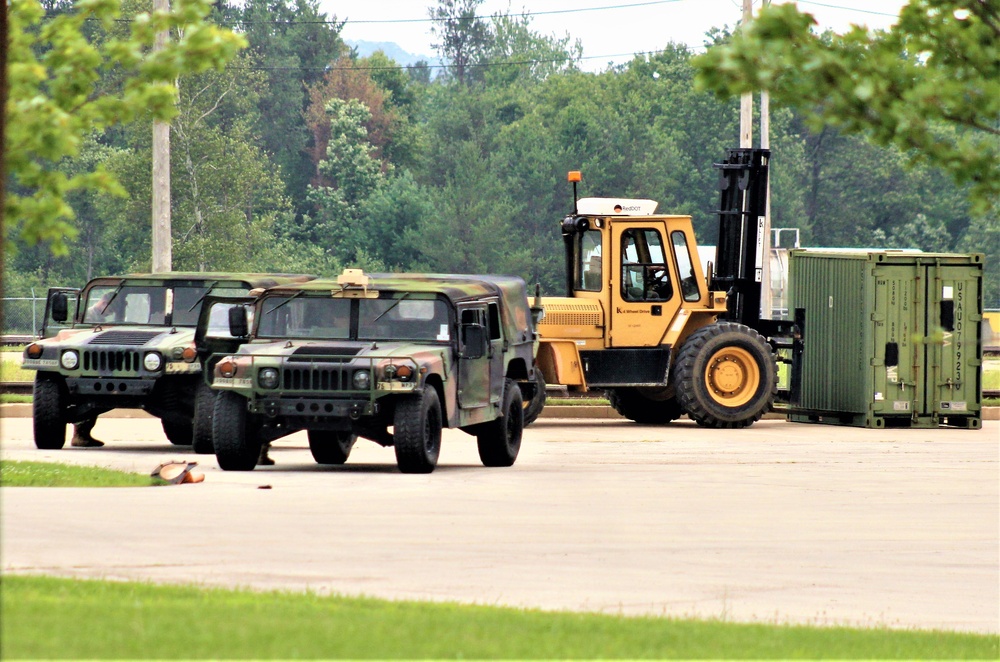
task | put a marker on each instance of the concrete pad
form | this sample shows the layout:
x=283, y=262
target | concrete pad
x=777, y=523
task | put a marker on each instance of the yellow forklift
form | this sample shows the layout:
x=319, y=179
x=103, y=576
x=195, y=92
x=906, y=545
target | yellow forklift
x=643, y=322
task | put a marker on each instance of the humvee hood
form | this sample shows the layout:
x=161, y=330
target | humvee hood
x=126, y=336
x=305, y=350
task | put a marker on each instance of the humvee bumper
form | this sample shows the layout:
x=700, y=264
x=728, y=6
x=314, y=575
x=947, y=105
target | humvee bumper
x=312, y=408
x=131, y=386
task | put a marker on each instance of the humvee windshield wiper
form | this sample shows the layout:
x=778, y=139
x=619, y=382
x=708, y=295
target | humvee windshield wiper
x=386, y=311
x=294, y=296
x=112, y=297
x=202, y=297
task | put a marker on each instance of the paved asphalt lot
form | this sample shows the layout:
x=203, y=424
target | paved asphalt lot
x=778, y=523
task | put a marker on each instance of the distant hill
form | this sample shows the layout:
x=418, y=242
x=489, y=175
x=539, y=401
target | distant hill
x=391, y=49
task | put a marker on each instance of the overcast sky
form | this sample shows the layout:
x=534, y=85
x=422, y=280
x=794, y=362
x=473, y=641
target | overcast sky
x=613, y=33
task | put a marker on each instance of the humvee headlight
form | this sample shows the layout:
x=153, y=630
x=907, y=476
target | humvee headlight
x=152, y=361
x=69, y=359
x=33, y=351
x=362, y=380
x=189, y=354
x=268, y=378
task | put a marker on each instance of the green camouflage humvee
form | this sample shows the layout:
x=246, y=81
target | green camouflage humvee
x=352, y=357
x=128, y=342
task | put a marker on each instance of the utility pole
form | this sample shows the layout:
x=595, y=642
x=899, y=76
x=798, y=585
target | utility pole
x=162, y=257
x=765, y=143
x=746, y=101
x=746, y=142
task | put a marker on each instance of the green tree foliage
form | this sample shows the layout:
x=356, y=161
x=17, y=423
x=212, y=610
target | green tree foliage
x=347, y=80
x=516, y=53
x=226, y=195
x=463, y=38
x=929, y=86
x=56, y=100
x=293, y=42
x=349, y=175
x=410, y=173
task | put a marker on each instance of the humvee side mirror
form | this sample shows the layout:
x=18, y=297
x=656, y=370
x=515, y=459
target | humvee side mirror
x=60, y=307
x=473, y=341
x=238, y=326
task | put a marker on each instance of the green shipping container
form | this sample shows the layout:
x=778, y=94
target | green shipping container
x=890, y=338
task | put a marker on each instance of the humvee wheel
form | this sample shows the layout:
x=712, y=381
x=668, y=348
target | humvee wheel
x=48, y=411
x=236, y=449
x=726, y=376
x=500, y=439
x=647, y=406
x=331, y=446
x=417, y=432
x=533, y=407
x=179, y=434
x=204, y=410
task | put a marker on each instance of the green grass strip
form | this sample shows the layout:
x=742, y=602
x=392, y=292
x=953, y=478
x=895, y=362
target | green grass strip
x=45, y=617
x=51, y=474
x=11, y=371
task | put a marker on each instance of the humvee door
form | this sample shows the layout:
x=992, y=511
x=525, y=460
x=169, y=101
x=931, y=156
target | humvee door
x=212, y=335
x=60, y=310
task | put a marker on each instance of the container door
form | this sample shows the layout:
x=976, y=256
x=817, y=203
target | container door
x=954, y=362
x=898, y=352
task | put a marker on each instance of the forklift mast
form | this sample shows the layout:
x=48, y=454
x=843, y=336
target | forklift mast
x=739, y=254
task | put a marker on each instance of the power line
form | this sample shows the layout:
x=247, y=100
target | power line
x=862, y=11
x=434, y=20
x=479, y=65
x=537, y=13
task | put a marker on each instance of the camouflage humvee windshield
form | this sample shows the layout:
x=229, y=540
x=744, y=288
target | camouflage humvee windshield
x=128, y=342
x=356, y=356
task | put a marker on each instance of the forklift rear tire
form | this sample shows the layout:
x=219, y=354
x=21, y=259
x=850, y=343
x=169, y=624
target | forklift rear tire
x=726, y=376
x=645, y=405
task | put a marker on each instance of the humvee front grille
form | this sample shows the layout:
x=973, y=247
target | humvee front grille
x=314, y=379
x=109, y=359
x=124, y=337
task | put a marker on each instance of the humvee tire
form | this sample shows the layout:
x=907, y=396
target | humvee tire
x=500, y=440
x=179, y=434
x=236, y=449
x=49, y=404
x=204, y=412
x=417, y=432
x=533, y=407
x=331, y=446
